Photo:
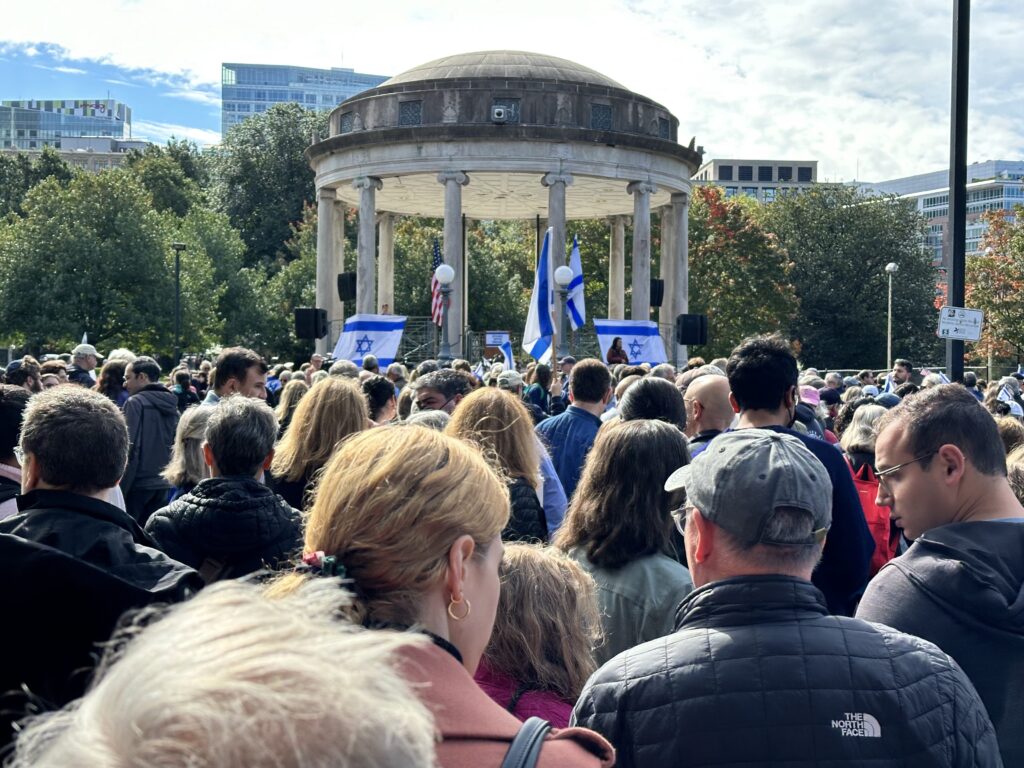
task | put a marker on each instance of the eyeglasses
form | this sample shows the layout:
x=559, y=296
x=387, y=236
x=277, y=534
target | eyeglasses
x=424, y=405
x=884, y=474
x=19, y=455
x=679, y=518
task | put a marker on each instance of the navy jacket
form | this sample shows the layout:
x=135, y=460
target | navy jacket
x=758, y=674
x=569, y=436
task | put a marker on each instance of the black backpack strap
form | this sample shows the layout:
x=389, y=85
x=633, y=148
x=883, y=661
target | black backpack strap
x=524, y=750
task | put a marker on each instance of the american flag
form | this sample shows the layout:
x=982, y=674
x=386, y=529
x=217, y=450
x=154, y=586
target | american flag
x=435, y=287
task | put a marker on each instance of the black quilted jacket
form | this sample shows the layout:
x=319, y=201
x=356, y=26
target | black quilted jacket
x=758, y=674
x=227, y=527
x=526, y=521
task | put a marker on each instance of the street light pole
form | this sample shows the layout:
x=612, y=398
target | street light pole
x=563, y=276
x=178, y=248
x=445, y=275
x=891, y=268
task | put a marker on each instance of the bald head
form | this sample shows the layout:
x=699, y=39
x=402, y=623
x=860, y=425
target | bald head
x=707, y=405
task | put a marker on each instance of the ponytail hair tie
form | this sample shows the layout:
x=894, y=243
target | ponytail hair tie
x=326, y=565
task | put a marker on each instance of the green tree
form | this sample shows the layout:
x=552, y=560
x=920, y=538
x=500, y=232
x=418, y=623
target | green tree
x=94, y=257
x=739, y=277
x=19, y=173
x=263, y=179
x=995, y=282
x=164, y=179
x=839, y=242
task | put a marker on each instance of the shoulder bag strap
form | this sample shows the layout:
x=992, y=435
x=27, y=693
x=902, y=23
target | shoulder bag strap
x=525, y=748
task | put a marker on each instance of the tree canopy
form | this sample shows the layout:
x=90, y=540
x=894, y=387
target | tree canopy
x=995, y=283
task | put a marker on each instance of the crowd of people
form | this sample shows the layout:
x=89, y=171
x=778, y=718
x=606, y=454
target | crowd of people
x=589, y=563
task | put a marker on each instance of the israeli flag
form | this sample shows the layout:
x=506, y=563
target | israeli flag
x=539, y=325
x=575, y=305
x=377, y=335
x=640, y=340
x=503, y=341
x=888, y=383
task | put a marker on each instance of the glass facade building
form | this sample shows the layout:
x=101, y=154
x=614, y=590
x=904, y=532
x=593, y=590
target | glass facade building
x=774, y=178
x=248, y=89
x=34, y=124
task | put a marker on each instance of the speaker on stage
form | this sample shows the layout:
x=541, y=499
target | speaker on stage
x=657, y=292
x=310, y=322
x=691, y=329
x=347, y=286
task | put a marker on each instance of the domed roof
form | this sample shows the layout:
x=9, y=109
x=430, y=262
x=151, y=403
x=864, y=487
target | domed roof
x=517, y=65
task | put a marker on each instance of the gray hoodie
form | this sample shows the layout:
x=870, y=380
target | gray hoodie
x=152, y=416
x=961, y=586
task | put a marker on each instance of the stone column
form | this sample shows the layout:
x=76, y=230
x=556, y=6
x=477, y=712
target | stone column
x=641, y=191
x=556, y=184
x=325, y=279
x=367, y=246
x=617, y=268
x=337, y=312
x=386, y=263
x=681, y=248
x=666, y=263
x=453, y=182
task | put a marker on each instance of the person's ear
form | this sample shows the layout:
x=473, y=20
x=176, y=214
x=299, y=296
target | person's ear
x=459, y=554
x=734, y=403
x=29, y=474
x=269, y=460
x=703, y=536
x=953, y=463
x=607, y=396
x=208, y=455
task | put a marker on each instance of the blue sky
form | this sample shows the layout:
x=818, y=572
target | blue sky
x=862, y=87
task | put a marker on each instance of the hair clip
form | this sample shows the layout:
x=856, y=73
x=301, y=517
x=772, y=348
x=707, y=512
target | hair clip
x=328, y=565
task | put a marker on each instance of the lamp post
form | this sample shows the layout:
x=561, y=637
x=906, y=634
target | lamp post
x=891, y=268
x=445, y=274
x=178, y=248
x=563, y=276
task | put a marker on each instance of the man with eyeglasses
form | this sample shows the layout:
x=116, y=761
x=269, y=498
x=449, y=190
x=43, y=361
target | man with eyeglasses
x=942, y=470
x=441, y=390
x=757, y=672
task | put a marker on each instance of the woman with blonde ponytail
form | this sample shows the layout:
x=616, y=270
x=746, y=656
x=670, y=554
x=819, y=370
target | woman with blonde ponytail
x=410, y=520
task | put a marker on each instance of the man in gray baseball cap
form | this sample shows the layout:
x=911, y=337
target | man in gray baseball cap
x=757, y=672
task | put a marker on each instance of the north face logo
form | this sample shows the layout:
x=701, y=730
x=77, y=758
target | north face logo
x=858, y=724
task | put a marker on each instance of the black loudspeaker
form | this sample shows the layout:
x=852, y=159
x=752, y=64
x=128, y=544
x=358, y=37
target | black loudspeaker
x=347, y=286
x=310, y=323
x=692, y=329
x=657, y=292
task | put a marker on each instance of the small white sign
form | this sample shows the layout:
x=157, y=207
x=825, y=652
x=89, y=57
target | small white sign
x=960, y=323
x=496, y=338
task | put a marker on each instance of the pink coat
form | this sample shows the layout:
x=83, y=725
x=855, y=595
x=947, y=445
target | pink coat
x=545, y=704
x=475, y=732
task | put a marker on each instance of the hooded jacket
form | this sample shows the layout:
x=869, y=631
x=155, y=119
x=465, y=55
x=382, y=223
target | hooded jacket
x=227, y=527
x=961, y=586
x=758, y=674
x=152, y=416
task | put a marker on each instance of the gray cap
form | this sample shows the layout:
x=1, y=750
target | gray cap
x=510, y=380
x=742, y=477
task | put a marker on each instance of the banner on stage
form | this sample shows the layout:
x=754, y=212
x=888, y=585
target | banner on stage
x=641, y=340
x=377, y=335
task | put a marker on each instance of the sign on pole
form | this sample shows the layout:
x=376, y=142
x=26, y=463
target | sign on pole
x=960, y=324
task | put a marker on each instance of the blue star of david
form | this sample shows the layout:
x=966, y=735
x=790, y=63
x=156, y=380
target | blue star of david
x=635, y=348
x=364, y=345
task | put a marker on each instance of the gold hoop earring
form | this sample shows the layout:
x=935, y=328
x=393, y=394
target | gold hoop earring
x=451, y=608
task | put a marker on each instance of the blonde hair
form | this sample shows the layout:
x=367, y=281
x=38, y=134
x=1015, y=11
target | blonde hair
x=291, y=394
x=498, y=422
x=1015, y=472
x=332, y=410
x=391, y=503
x=860, y=436
x=187, y=465
x=231, y=678
x=548, y=621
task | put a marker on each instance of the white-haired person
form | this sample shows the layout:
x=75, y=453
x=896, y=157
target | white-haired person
x=409, y=519
x=233, y=678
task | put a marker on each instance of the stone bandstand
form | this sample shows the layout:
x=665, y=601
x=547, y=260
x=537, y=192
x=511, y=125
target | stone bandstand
x=500, y=135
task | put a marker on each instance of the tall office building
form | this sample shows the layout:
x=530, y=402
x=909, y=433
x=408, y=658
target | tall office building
x=34, y=124
x=763, y=180
x=248, y=89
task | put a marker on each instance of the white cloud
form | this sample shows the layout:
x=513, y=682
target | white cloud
x=124, y=83
x=63, y=70
x=200, y=97
x=160, y=133
x=845, y=82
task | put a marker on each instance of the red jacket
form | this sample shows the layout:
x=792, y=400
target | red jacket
x=475, y=732
x=545, y=704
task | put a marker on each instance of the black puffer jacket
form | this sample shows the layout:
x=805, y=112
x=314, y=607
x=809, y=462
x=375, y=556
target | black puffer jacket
x=758, y=673
x=527, y=521
x=227, y=527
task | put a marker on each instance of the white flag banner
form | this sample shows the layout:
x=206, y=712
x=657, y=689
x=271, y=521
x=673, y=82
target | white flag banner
x=539, y=325
x=377, y=335
x=503, y=341
x=574, y=300
x=641, y=340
